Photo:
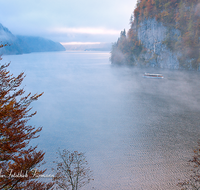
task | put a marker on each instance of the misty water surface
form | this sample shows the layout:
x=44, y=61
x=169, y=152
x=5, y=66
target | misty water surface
x=137, y=133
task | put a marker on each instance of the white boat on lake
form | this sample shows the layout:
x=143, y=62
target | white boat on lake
x=148, y=75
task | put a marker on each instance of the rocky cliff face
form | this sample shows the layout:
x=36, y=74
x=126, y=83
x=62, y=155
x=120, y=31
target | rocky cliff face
x=164, y=34
x=152, y=35
x=25, y=44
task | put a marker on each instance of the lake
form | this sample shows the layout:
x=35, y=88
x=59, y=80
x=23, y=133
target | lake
x=137, y=133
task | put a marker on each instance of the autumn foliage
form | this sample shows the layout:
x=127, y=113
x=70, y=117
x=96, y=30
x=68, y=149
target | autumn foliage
x=17, y=159
x=194, y=180
x=183, y=15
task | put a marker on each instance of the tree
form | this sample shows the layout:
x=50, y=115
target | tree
x=17, y=158
x=193, y=183
x=182, y=15
x=72, y=171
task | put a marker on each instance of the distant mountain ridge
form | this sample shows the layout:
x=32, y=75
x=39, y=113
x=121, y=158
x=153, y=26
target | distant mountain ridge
x=25, y=44
x=89, y=47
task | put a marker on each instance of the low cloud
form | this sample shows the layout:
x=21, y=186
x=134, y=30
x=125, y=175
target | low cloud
x=101, y=31
x=80, y=43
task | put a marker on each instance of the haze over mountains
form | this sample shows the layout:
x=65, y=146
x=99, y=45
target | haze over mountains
x=25, y=44
x=87, y=46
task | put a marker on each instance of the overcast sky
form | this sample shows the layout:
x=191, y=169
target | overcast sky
x=67, y=20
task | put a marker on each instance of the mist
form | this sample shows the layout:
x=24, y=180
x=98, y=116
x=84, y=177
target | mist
x=143, y=129
x=42, y=18
x=137, y=133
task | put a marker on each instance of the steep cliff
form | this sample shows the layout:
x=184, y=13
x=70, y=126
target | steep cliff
x=152, y=35
x=164, y=34
x=25, y=44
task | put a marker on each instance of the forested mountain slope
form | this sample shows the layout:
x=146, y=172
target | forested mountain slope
x=25, y=44
x=163, y=33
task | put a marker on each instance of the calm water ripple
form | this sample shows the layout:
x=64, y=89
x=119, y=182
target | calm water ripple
x=137, y=133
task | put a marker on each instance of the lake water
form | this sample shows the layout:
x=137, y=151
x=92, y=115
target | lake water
x=137, y=133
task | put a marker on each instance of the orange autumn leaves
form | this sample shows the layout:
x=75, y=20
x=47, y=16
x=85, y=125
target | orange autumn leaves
x=16, y=157
x=183, y=15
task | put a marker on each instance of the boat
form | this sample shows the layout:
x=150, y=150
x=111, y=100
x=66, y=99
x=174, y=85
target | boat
x=148, y=75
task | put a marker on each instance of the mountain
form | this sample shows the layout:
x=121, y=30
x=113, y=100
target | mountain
x=37, y=44
x=89, y=47
x=6, y=37
x=163, y=34
x=25, y=44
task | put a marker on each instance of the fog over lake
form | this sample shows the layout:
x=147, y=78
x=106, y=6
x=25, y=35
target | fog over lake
x=137, y=133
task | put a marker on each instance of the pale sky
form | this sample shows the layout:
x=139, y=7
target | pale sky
x=68, y=20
